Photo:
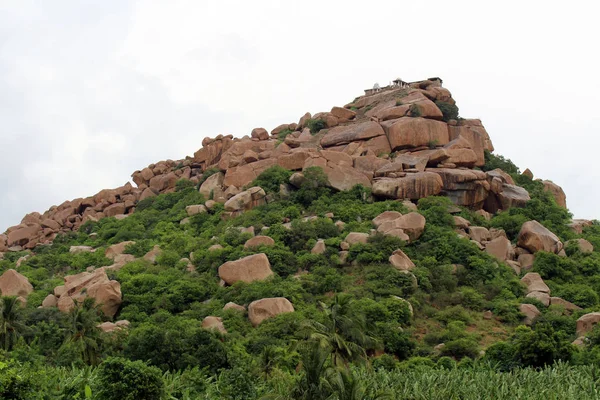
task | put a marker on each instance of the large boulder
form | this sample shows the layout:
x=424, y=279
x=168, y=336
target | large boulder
x=257, y=241
x=556, y=192
x=212, y=187
x=410, y=132
x=13, y=283
x=586, y=323
x=107, y=295
x=413, y=186
x=356, y=237
x=117, y=249
x=351, y=133
x=246, y=200
x=401, y=261
x=344, y=178
x=535, y=283
x=583, y=245
x=96, y=285
x=530, y=313
x=411, y=224
x=501, y=248
x=262, y=309
x=248, y=269
x=535, y=237
x=214, y=323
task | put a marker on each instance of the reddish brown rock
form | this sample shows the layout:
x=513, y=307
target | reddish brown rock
x=479, y=233
x=577, y=225
x=214, y=323
x=530, y=312
x=233, y=306
x=587, y=322
x=356, y=237
x=351, y=133
x=262, y=309
x=259, y=241
x=195, y=209
x=319, y=247
x=567, y=305
x=583, y=245
x=556, y=192
x=50, y=301
x=386, y=216
x=501, y=248
x=260, y=134
x=116, y=249
x=21, y=236
x=400, y=261
x=413, y=186
x=411, y=224
x=343, y=114
x=151, y=255
x=345, y=178
x=246, y=200
x=114, y=209
x=542, y=297
x=248, y=269
x=415, y=132
x=534, y=283
x=211, y=188
x=13, y=283
x=535, y=237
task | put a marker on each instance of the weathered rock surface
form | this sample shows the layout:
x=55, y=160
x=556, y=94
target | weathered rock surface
x=530, y=312
x=214, y=323
x=262, y=309
x=400, y=261
x=257, y=241
x=248, y=269
x=535, y=237
x=13, y=283
x=586, y=323
x=534, y=283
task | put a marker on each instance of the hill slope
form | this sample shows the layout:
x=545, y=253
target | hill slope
x=384, y=231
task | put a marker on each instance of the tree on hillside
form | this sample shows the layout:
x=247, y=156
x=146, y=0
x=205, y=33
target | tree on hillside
x=11, y=326
x=344, y=333
x=83, y=332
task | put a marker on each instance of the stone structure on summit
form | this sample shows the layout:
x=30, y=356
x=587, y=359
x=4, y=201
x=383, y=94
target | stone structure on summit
x=398, y=142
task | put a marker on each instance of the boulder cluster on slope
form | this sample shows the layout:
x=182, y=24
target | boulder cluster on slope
x=396, y=142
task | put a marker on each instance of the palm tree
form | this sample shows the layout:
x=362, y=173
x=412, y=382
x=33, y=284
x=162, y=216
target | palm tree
x=11, y=326
x=314, y=364
x=343, y=332
x=343, y=384
x=83, y=332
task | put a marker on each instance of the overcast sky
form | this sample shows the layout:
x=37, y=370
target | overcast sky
x=90, y=91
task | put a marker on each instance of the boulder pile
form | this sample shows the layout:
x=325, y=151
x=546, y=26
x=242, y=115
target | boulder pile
x=397, y=142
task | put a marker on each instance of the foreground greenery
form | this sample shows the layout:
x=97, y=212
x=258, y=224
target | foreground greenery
x=352, y=335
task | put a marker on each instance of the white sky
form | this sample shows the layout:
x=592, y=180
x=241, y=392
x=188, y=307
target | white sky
x=91, y=91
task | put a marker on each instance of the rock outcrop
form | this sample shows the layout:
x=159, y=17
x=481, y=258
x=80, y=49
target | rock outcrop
x=96, y=285
x=13, y=283
x=262, y=309
x=535, y=237
x=393, y=141
x=248, y=269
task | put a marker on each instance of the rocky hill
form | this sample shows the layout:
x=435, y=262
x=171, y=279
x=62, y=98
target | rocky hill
x=404, y=143
x=385, y=231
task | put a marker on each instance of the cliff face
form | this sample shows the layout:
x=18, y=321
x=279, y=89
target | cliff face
x=402, y=142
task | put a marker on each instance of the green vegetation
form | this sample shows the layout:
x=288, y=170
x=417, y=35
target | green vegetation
x=414, y=110
x=360, y=330
x=449, y=111
x=315, y=125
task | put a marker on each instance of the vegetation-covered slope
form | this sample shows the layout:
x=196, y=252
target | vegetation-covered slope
x=358, y=323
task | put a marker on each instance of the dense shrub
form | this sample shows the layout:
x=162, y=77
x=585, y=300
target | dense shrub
x=449, y=110
x=119, y=378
